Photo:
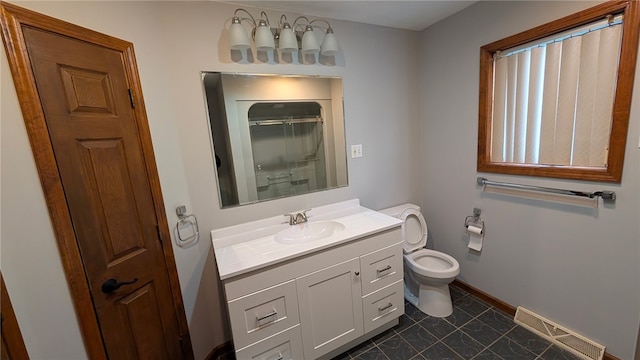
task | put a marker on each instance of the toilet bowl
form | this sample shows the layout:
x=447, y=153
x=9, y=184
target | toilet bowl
x=427, y=273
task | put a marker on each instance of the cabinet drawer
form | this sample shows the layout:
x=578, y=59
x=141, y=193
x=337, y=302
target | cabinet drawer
x=263, y=313
x=381, y=268
x=383, y=305
x=286, y=345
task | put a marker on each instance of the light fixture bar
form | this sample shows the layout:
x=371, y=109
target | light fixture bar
x=288, y=39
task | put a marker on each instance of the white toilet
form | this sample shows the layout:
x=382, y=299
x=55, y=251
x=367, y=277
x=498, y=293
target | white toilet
x=427, y=273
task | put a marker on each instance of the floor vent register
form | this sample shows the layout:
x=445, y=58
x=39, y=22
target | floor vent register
x=561, y=336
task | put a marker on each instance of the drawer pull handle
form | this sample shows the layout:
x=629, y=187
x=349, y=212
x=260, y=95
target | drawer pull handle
x=380, y=271
x=385, y=307
x=264, y=317
x=279, y=357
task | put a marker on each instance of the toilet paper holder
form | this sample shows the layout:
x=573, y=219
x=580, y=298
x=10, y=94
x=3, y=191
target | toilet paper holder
x=474, y=220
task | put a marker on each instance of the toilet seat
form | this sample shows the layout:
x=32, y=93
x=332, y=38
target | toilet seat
x=414, y=230
x=433, y=264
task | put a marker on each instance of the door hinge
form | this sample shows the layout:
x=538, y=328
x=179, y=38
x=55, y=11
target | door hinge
x=133, y=105
x=158, y=232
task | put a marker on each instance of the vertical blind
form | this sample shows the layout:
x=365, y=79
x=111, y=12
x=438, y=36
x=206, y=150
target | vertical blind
x=553, y=101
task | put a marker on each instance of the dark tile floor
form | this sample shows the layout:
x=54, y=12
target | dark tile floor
x=475, y=330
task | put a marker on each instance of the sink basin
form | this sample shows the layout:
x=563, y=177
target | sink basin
x=309, y=231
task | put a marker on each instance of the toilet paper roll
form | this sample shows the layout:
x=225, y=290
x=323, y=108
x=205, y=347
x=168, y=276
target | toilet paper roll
x=475, y=237
x=474, y=229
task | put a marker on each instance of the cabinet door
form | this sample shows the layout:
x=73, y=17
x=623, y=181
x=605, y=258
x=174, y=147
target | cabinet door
x=330, y=306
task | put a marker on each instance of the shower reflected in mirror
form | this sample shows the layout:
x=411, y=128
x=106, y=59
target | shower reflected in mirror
x=275, y=136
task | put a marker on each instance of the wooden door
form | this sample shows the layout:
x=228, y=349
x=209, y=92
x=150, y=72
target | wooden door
x=330, y=303
x=101, y=147
x=12, y=344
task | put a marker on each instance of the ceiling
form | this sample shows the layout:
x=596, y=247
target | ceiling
x=410, y=15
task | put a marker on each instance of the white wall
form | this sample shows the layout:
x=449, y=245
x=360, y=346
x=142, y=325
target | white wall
x=174, y=42
x=576, y=266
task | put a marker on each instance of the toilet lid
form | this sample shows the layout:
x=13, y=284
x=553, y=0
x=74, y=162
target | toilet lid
x=414, y=230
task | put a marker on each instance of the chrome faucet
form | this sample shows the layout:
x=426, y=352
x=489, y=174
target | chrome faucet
x=298, y=218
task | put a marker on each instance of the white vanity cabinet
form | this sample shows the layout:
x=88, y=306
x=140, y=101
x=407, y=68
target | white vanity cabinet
x=310, y=305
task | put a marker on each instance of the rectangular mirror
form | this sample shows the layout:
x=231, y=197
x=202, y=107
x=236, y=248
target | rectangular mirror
x=275, y=135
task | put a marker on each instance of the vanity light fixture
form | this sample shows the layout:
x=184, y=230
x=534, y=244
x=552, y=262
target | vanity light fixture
x=263, y=38
x=261, y=32
x=287, y=42
x=309, y=42
x=286, y=37
x=238, y=38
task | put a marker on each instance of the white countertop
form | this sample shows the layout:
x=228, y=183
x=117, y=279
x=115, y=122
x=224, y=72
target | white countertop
x=250, y=246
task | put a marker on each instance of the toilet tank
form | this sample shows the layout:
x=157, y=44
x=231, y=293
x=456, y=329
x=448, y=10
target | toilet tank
x=399, y=209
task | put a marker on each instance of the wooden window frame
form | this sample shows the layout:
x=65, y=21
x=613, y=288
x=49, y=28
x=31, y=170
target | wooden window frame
x=621, y=105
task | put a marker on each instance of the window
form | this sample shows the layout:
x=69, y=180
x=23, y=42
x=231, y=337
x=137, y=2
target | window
x=555, y=100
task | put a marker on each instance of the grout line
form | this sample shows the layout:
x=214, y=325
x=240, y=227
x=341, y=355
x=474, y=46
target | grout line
x=474, y=339
x=461, y=295
x=540, y=357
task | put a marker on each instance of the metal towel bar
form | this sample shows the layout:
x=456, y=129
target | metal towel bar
x=609, y=196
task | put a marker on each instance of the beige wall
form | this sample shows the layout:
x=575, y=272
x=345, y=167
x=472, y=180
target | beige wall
x=576, y=266
x=174, y=42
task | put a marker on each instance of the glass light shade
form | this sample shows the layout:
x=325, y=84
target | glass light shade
x=238, y=38
x=288, y=42
x=309, y=42
x=329, y=44
x=264, y=38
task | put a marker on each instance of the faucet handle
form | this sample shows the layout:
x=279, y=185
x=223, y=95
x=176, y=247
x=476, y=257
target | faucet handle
x=304, y=215
x=292, y=218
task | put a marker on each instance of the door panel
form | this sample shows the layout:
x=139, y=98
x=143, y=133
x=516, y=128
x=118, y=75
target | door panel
x=87, y=91
x=144, y=313
x=103, y=161
x=96, y=142
x=330, y=303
